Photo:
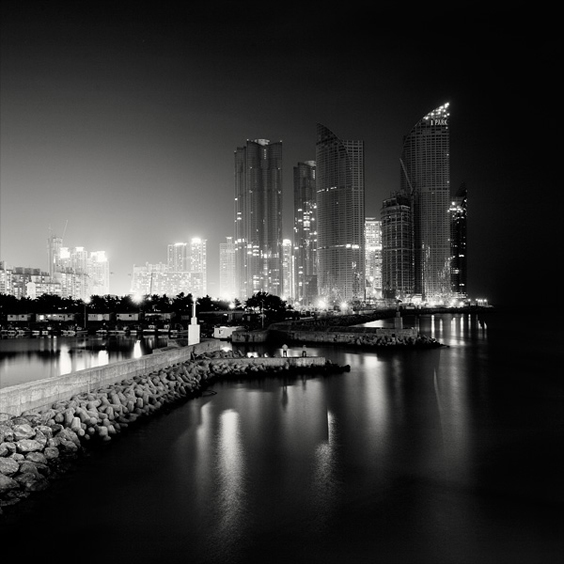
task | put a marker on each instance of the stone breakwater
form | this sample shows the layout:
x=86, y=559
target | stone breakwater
x=38, y=445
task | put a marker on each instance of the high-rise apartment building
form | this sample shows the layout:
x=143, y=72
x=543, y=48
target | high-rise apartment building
x=425, y=178
x=340, y=217
x=198, y=266
x=458, y=220
x=287, y=270
x=258, y=218
x=80, y=274
x=373, y=257
x=177, y=257
x=397, y=247
x=305, y=233
x=54, y=245
x=98, y=269
x=227, y=269
x=152, y=279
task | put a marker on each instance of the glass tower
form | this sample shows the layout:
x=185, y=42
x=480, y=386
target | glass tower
x=425, y=178
x=258, y=218
x=305, y=233
x=373, y=257
x=458, y=220
x=340, y=217
x=397, y=247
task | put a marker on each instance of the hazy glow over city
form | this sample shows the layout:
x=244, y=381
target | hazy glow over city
x=118, y=126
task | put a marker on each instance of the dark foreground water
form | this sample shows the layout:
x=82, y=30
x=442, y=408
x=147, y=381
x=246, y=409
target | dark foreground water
x=452, y=455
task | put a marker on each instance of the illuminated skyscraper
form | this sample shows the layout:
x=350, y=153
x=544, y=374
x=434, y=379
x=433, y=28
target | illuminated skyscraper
x=305, y=233
x=425, y=179
x=458, y=268
x=54, y=245
x=373, y=257
x=98, y=270
x=287, y=270
x=258, y=218
x=340, y=217
x=397, y=247
x=198, y=266
x=177, y=257
x=227, y=269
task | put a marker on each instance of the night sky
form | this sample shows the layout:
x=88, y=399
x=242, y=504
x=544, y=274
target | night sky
x=119, y=121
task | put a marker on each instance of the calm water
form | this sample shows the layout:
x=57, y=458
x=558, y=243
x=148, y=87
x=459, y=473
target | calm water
x=452, y=455
x=24, y=359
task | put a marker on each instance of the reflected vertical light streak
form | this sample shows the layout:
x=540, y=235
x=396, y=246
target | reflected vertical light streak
x=325, y=485
x=66, y=364
x=137, y=352
x=102, y=359
x=231, y=469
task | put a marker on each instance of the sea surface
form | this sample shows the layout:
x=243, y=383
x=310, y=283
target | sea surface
x=448, y=455
x=25, y=359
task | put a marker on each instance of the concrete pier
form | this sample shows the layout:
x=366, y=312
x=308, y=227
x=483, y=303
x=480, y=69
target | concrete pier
x=40, y=393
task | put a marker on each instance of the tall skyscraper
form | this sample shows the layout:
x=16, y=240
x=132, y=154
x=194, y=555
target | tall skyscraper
x=177, y=257
x=54, y=245
x=373, y=257
x=397, y=247
x=80, y=274
x=198, y=266
x=305, y=233
x=98, y=270
x=458, y=267
x=287, y=270
x=227, y=269
x=425, y=177
x=258, y=218
x=340, y=217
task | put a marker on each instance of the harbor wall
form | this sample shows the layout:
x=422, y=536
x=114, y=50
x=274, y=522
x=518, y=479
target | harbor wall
x=330, y=335
x=17, y=399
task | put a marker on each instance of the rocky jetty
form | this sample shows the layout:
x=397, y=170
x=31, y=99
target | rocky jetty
x=38, y=445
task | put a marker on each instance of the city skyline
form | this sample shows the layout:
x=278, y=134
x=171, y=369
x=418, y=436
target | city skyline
x=123, y=123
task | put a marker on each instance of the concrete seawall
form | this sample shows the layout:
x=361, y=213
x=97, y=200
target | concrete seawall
x=41, y=393
x=372, y=336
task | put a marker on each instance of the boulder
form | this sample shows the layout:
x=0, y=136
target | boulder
x=7, y=449
x=23, y=431
x=28, y=445
x=8, y=466
x=36, y=457
x=7, y=484
x=28, y=467
x=32, y=482
x=6, y=433
x=51, y=453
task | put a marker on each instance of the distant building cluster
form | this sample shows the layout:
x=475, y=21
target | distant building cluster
x=73, y=273
x=414, y=252
x=184, y=272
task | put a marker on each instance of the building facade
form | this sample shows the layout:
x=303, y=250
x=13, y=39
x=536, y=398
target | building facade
x=397, y=248
x=458, y=221
x=177, y=257
x=258, y=218
x=227, y=269
x=198, y=266
x=340, y=217
x=287, y=271
x=425, y=179
x=305, y=233
x=373, y=258
x=80, y=273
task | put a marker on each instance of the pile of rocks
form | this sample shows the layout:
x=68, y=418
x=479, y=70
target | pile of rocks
x=38, y=445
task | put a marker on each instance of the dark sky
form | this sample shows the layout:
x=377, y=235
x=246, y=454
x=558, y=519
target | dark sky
x=122, y=119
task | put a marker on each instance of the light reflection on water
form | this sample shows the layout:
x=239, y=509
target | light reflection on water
x=412, y=456
x=25, y=359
